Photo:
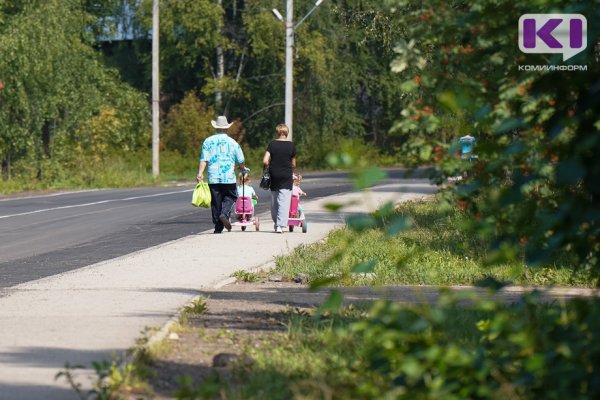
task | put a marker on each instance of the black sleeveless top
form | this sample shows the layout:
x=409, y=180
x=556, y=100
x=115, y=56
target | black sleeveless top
x=282, y=152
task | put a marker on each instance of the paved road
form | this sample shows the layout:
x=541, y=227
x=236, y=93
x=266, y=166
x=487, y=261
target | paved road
x=42, y=236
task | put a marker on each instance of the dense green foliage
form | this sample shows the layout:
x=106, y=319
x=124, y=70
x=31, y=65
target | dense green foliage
x=447, y=350
x=65, y=106
x=535, y=184
x=526, y=351
x=62, y=109
x=343, y=85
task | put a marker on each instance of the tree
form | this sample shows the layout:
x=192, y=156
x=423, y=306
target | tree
x=187, y=125
x=534, y=187
x=189, y=33
x=55, y=82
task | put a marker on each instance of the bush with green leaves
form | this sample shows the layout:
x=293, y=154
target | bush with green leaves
x=528, y=351
x=464, y=346
x=187, y=125
x=535, y=184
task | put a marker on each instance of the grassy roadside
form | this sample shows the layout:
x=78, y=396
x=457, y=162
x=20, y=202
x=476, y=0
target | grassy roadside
x=134, y=168
x=111, y=172
x=418, y=351
x=314, y=358
x=434, y=251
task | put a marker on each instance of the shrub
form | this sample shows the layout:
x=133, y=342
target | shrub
x=527, y=351
x=187, y=125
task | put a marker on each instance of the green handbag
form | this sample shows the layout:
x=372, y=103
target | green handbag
x=201, y=195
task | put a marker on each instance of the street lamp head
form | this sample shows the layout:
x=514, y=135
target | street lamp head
x=318, y=2
x=278, y=15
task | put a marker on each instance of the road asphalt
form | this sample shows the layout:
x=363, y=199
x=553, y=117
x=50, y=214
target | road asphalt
x=99, y=311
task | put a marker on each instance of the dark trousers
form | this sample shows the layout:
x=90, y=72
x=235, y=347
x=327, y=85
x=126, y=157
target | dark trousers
x=222, y=199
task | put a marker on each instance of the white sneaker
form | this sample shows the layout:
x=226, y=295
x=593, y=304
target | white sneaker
x=278, y=230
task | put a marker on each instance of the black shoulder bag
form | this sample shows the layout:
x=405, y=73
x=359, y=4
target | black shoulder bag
x=265, y=182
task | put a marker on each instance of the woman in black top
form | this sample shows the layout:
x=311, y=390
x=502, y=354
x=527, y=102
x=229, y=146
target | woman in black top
x=280, y=157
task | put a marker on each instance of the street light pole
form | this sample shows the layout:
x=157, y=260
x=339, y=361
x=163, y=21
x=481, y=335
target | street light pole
x=290, y=29
x=155, y=89
x=289, y=67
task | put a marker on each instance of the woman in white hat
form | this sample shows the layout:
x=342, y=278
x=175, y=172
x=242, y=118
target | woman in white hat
x=220, y=153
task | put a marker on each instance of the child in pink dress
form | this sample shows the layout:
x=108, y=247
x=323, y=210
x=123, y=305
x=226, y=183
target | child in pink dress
x=297, y=191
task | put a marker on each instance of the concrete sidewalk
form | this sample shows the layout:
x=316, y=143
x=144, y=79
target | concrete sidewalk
x=98, y=311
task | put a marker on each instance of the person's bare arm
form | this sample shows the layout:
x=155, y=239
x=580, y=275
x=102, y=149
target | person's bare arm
x=201, y=169
x=294, y=164
x=266, y=159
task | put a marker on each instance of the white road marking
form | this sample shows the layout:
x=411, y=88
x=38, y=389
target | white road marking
x=92, y=204
x=39, y=196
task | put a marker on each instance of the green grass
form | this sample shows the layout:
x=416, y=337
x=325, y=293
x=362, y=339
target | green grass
x=320, y=357
x=434, y=251
x=130, y=170
x=286, y=363
x=245, y=276
x=197, y=306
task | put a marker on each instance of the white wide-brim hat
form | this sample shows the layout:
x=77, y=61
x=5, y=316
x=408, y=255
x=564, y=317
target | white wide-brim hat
x=221, y=123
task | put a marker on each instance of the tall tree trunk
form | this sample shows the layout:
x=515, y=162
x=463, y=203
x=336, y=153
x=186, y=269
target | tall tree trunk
x=46, y=138
x=45, y=153
x=6, y=167
x=374, y=118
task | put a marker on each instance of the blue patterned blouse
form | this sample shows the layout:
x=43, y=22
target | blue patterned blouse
x=221, y=153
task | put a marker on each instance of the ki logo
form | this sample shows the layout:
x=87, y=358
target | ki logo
x=553, y=33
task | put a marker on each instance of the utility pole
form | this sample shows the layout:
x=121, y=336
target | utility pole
x=290, y=30
x=220, y=73
x=155, y=89
x=289, y=67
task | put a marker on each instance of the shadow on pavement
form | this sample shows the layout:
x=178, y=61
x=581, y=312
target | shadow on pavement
x=295, y=295
x=424, y=189
x=28, y=392
x=44, y=357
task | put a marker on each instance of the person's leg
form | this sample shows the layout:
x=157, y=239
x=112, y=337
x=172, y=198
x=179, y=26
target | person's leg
x=223, y=208
x=229, y=193
x=274, y=194
x=215, y=206
x=284, y=197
